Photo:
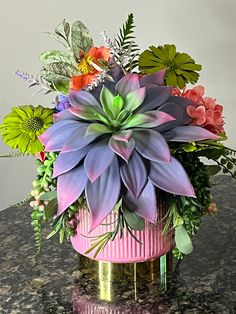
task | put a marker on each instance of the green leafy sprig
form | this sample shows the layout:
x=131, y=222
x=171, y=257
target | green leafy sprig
x=126, y=220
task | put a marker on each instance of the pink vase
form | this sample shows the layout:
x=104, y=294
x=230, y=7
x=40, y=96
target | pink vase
x=126, y=249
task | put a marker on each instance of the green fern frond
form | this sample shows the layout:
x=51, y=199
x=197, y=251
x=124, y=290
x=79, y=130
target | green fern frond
x=127, y=48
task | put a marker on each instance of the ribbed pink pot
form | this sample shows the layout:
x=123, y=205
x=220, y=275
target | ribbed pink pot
x=124, y=250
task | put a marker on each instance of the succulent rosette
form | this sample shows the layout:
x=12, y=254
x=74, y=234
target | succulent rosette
x=115, y=145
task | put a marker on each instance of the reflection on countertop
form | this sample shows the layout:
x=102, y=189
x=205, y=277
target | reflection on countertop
x=54, y=283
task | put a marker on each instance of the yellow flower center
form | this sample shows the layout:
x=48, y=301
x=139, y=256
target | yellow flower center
x=85, y=65
x=33, y=124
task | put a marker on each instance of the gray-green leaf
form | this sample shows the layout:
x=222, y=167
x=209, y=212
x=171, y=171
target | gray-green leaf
x=81, y=40
x=52, y=56
x=182, y=240
x=134, y=221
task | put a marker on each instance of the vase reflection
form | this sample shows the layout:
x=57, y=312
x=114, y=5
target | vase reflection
x=103, y=287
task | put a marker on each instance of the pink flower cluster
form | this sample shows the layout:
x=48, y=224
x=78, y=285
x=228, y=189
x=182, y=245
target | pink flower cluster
x=205, y=112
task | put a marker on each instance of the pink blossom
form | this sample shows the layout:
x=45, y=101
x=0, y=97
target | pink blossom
x=41, y=156
x=205, y=111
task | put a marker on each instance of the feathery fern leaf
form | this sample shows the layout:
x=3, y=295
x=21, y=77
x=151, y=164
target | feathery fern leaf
x=127, y=54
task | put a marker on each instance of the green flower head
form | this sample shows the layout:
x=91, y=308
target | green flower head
x=181, y=68
x=20, y=128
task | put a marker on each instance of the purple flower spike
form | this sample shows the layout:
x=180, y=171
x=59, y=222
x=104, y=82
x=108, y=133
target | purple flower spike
x=62, y=103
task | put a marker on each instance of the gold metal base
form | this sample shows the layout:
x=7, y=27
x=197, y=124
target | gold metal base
x=110, y=278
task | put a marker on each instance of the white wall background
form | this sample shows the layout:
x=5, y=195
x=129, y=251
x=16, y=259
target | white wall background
x=204, y=28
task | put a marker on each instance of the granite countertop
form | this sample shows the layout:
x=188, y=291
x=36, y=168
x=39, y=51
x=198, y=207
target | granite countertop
x=203, y=283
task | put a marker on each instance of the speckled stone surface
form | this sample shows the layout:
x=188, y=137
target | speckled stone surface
x=205, y=282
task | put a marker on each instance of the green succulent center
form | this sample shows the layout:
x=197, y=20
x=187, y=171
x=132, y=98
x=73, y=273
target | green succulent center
x=33, y=124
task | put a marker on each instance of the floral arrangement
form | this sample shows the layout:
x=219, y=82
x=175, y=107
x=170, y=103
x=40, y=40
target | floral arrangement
x=124, y=130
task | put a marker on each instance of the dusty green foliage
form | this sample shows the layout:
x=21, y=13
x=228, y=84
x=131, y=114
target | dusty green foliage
x=127, y=54
x=60, y=66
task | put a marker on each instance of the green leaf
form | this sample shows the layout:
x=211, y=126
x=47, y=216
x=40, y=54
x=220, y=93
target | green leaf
x=95, y=128
x=48, y=196
x=106, y=98
x=81, y=40
x=171, y=78
x=117, y=105
x=63, y=30
x=62, y=86
x=171, y=51
x=191, y=66
x=51, y=208
x=133, y=220
x=52, y=56
x=182, y=240
x=213, y=169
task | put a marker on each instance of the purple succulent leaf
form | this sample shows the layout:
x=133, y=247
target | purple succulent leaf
x=155, y=78
x=85, y=112
x=67, y=161
x=176, y=106
x=103, y=194
x=64, y=115
x=150, y=119
x=134, y=174
x=128, y=83
x=83, y=98
x=98, y=160
x=155, y=97
x=121, y=148
x=70, y=186
x=78, y=140
x=146, y=204
x=123, y=136
x=171, y=177
x=135, y=98
x=59, y=133
x=189, y=133
x=152, y=145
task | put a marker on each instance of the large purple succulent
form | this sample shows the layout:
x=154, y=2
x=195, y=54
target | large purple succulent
x=113, y=145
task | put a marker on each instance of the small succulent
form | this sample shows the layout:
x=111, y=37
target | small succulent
x=113, y=145
x=181, y=68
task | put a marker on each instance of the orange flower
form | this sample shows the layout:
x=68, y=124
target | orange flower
x=89, y=67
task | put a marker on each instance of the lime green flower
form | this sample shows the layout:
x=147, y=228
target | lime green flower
x=181, y=68
x=20, y=128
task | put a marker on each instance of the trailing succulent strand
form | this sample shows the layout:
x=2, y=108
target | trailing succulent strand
x=42, y=184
